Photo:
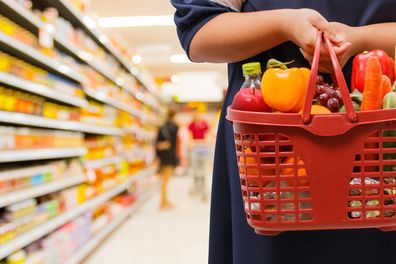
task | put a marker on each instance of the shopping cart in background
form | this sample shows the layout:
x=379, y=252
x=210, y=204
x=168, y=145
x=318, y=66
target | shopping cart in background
x=199, y=160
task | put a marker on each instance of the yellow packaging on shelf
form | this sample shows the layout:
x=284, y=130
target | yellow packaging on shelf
x=81, y=193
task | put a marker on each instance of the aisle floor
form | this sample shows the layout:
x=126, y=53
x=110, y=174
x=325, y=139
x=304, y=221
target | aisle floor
x=151, y=236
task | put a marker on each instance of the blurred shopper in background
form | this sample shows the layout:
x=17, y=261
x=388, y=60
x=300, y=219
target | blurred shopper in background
x=199, y=154
x=166, y=147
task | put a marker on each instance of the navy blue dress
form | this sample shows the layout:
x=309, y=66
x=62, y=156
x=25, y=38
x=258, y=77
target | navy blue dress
x=232, y=240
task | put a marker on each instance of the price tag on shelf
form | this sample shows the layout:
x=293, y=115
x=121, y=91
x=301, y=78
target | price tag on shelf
x=46, y=39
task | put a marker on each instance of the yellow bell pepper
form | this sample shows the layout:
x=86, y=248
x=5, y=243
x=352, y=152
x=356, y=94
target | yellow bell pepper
x=284, y=89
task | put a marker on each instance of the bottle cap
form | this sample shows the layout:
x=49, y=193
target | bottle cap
x=251, y=68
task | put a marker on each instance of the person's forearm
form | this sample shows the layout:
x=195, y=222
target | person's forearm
x=377, y=36
x=232, y=37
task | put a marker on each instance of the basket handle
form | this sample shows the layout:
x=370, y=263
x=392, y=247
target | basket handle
x=339, y=77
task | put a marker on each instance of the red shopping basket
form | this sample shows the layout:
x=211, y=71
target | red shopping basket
x=303, y=172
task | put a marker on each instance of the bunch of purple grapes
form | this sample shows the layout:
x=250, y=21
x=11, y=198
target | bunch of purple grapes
x=328, y=95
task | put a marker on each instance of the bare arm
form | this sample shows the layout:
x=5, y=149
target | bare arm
x=232, y=37
x=376, y=36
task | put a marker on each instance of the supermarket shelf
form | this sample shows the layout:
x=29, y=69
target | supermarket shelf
x=42, y=90
x=62, y=219
x=114, y=224
x=40, y=154
x=37, y=56
x=59, y=39
x=104, y=99
x=89, y=164
x=78, y=18
x=39, y=190
x=85, y=57
x=38, y=121
x=86, y=23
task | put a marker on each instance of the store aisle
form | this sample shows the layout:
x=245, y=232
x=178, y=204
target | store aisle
x=151, y=236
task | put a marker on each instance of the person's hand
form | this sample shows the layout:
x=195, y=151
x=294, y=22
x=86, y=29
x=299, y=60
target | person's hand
x=344, y=50
x=302, y=28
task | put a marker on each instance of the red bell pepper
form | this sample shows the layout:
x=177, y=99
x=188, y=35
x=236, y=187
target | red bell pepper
x=360, y=65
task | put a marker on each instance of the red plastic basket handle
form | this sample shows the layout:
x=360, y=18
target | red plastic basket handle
x=339, y=77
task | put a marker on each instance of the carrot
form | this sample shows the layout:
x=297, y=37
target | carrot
x=386, y=86
x=372, y=86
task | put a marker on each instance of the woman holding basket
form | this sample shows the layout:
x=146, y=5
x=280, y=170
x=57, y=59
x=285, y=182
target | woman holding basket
x=240, y=31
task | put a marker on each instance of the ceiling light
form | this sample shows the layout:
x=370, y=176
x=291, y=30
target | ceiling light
x=175, y=78
x=179, y=58
x=136, y=59
x=136, y=21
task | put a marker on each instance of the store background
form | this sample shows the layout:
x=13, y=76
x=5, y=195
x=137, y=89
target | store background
x=80, y=105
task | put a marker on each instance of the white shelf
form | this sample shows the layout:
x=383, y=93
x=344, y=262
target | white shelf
x=40, y=154
x=39, y=190
x=39, y=57
x=90, y=164
x=105, y=99
x=41, y=90
x=38, y=121
x=101, y=39
x=49, y=226
x=85, y=57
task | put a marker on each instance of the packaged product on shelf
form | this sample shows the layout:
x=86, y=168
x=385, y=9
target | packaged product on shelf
x=12, y=29
x=20, y=178
x=99, y=114
x=30, y=138
x=27, y=71
x=20, y=210
x=102, y=146
x=18, y=257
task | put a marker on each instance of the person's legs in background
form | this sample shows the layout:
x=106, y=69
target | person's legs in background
x=166, y=173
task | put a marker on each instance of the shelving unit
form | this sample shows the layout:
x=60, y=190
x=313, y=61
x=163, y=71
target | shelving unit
x=62, y=219
x=89, y=106
x=89, y=27
x=42, y=90
x=74, y=51
x=35, y=56
x=119, y=105
x=14, y=197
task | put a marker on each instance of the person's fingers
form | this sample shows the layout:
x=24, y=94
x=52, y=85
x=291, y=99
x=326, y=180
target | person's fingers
x=322, y=24
x=341, y=50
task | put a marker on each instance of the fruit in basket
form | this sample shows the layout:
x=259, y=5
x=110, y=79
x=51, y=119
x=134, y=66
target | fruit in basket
x=371, y=99
x=250, y=99
x=284, y=89
x=249, y=160
x=360, y=64
x=318, y=109
x=327, y=95
x=301, y=172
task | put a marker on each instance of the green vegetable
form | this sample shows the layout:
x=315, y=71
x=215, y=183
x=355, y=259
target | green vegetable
x=356, y=107
x=389, y=102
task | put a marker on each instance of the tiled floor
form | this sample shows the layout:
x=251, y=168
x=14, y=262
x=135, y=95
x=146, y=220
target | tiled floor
x=178, y=236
